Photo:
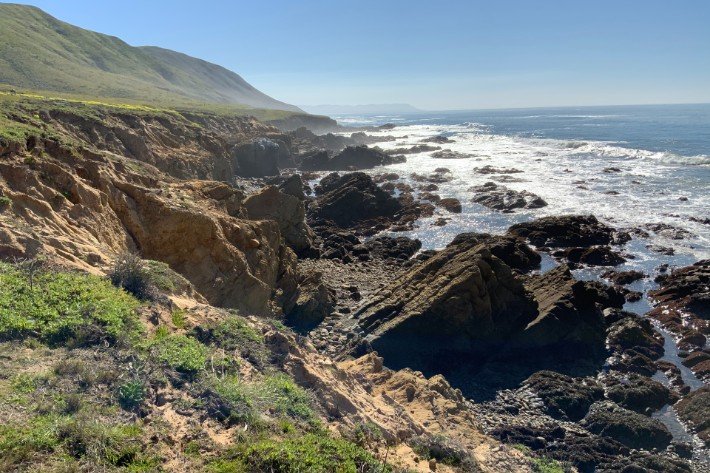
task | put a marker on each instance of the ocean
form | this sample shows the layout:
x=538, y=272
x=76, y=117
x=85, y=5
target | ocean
x=570, y=157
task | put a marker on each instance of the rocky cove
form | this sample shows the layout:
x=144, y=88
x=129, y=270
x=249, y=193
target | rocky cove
x=556, y=336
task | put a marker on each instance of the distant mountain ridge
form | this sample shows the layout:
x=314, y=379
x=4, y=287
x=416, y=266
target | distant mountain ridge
x=40, y=52
x=370, y=109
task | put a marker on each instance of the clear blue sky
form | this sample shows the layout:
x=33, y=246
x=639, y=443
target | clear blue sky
x=431, y=54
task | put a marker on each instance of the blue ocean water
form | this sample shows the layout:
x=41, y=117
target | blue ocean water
x=679, y=129
x=631, y=166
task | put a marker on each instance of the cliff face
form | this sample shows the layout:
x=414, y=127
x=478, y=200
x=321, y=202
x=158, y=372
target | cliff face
x=110, y=181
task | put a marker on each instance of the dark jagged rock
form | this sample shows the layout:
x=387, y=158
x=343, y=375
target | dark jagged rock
x=461, y=301
x=314, y=161
x=313, y=302
x=695, y=409
x=630, y=428
x=683, y=308
x=498, y=197
x=637, y=393
x=350, y=199
x=565, y=397
x=594, y=256
x=361, y=157
x=635, y=333
x=623, y=277
x=451, y=204
x=384, y=247
x=448, y=154
x=437, y=139
x=511, y=250
x=258, y=158
x=414, y=149
x=570, y=315
x=568, y=231
x=488, y=169
x=293, y=185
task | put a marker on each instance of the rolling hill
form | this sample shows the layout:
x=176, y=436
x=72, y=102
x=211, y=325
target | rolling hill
x=40, y=52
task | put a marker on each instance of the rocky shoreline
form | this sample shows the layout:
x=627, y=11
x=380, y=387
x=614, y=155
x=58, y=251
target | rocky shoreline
x=473, y=340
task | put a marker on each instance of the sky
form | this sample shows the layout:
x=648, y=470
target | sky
x=435, y=55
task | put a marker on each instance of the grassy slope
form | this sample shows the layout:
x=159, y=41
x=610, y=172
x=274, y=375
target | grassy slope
x=19, y=119
x=39, y=52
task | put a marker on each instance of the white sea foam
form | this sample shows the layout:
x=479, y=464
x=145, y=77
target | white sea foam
x=570, y=175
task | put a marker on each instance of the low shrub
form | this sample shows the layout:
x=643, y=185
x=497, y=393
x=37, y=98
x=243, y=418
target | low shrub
x=57, y=307
x=228, y=400
x=314, y=453
x=181, y=353
x=131, y=394
x=130, y=273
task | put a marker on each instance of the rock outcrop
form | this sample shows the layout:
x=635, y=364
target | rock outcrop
x=565, y=397
x=462, y=300
x=352, y=158
x=288, y=211
x=568, y=231
x=630, y=428
x=498, y=197
x=569, y=315
x=350, y=199
x=258, y=158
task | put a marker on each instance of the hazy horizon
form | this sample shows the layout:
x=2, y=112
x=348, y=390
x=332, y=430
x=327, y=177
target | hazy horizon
x=451, y=56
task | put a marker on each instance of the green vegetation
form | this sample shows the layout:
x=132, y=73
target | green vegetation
x=131, y=394
x=183, y=354
x=164, y=278
x=233, y=401
x=72, y=406
x=57, y=307
x=547, y=465
x=5, y=202
x=314, y=453
x=130, y=273
x=73, y=437
x=39, y=52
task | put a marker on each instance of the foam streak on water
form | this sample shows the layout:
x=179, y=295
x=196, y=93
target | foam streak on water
x=650, y=187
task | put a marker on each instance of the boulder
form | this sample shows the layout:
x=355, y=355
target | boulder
x=569, y=317
x=437, y=139
x=385, y=247
x=288, y=211
x=695, y=409
x=314, y=161
x=313, y=301
x=350, y=199
x=448, y=154
x=637, y=393
x=293, y=185
x=565, y=397
x=498, y=197
x=568, y=231
x=414, y=149
x=361, y=157
x=623, y=277
x=451, y=204
x=637, y=334
x=630, y=428
x=594, y=256
x=461, y=301
x=511, y=250
x=257, y=158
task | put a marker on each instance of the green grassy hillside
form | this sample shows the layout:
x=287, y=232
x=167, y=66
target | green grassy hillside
x=39, y=52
